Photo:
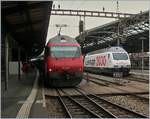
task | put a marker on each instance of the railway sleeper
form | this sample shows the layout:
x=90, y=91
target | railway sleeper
x=102, y=101
x=86, y=112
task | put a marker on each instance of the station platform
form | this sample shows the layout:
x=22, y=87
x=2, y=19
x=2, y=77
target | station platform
x=17, y=93
x=38, y=109
x=23, y=99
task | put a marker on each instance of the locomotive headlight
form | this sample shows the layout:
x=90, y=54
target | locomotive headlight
x=50, y=70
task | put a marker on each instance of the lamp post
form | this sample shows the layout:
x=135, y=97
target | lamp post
x=142, y=51
x=118, y=27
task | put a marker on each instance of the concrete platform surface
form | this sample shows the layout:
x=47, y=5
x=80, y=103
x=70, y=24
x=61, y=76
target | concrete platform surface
x=17, y=93
x=38, y=109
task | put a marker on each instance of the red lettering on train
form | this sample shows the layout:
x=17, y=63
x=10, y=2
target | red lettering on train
x=100, y=60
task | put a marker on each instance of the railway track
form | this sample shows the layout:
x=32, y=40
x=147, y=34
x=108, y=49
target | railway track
x=117, y=110
x=131, y=78
x=73, y=108
x=54, y=107
x=127, y=92
x=129, y=102
x=141, y=98
x=91, y=106
x=137, y=95
x=99, y=83
x=115, y=81
x=86, y=106
x=82, y=107
x=103, y=81
x=144, y=96
x=106, y=83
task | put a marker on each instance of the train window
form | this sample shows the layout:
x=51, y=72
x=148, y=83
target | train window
x=65, y=51
x=120, y=56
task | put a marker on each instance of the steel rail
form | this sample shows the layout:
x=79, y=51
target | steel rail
x=116, y=87
x=61, y=100
x=132, y=94
x=113, y=116
x=121, y=94
x=93, y=102
x=128, y=110
x=89, y=111
x=137, y=79
x=140, y=97
x=98, y=82
x=127, y=92
x=104, y=80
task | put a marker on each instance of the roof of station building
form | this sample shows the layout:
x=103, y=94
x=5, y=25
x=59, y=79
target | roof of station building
x=131, y=31
x=27, y=23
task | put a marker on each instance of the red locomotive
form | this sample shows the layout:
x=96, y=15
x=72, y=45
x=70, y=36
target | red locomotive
x=63, y=62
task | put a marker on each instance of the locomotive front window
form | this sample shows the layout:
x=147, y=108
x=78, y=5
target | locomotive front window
x=65, y=51
x=120, y=56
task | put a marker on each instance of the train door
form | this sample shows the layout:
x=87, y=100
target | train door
x=109, y=62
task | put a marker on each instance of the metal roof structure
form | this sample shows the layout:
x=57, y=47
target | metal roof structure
x=108, y=49
x=130, y=32
x=27, y=23
x=88, y=13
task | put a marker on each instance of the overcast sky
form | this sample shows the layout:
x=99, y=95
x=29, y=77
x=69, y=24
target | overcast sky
x=127, y=6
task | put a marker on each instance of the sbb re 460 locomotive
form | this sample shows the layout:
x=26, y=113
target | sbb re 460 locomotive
x=111, y=60
x=63, y=62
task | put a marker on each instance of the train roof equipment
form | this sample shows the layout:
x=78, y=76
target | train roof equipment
x=62, y=39
x=109, y=49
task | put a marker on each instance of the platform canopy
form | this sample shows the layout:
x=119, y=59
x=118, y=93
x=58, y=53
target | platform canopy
x=27, y=23
x=131, y=31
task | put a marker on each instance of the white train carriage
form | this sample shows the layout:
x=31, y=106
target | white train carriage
x=114, y=60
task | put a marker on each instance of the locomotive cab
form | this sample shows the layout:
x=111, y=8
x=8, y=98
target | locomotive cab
x=120, y=63
x=63, y=62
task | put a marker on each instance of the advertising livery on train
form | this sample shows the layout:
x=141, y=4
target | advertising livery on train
x=63, y=62
x=109, y=60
